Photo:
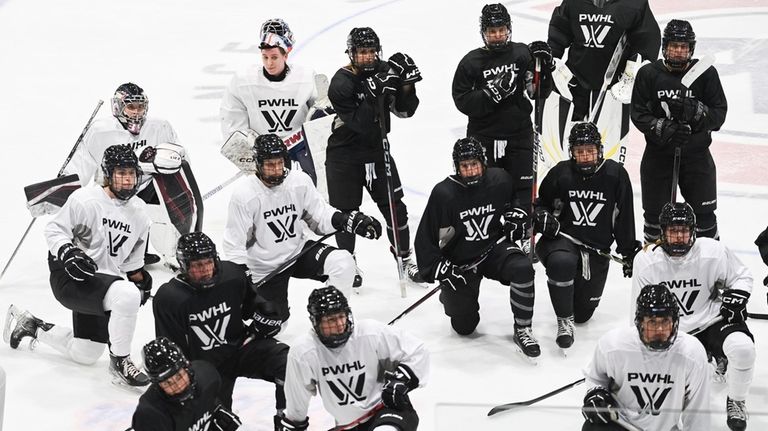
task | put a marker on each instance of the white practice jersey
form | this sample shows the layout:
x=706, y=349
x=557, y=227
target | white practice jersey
x=693, y=278
x=105, y=132
x=349, y=379
x=111, y=231
x=266, y=225
x=253, y=102
x=652, y=388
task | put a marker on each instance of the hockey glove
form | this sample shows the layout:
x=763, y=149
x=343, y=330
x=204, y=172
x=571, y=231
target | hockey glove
x=144, y=286
x=382, y=84
x=501, y=87
x=546, y=224
x=224, y=420
x=734, y=307
x=78, y=265
x=357, y=223
x=266, y=319
x=406, y=69
x=516, y=224
x=629, y=259
x=671, y=132
x=687, y=110
x=450, y=275
x=397, y=384
x=541, y=50
x=284, y=424
x=599, y=406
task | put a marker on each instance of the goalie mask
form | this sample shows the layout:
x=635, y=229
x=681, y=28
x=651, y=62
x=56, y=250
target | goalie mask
x=272, y=160
x=677, y=34
x=586, y=148
x=275, y=33
x=496, y=18
x=678, y=228
x=468, y=149
x=163, y=360
x=363, y=38
x=331, y=316
x=129, y=106
x=657, y=317
x=198, y=260
x=121, y=170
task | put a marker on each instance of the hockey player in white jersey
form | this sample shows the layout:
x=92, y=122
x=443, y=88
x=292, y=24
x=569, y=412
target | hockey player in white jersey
x=362, y=369
x=709, y=282
x=266, y=224
x=656, y=381
x=96, y=241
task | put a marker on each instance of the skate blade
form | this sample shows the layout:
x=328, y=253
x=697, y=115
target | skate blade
x=356, y=290
x=119, y=382
x=563, y=351
x=530, y=359
x=10, y=318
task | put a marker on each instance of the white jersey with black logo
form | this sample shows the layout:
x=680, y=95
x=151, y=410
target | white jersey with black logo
x=111, y=231
x=349, y=379
x=654, y=390
x=694, y=278
x=104, y=133
x=253, y=102
x=266, y=225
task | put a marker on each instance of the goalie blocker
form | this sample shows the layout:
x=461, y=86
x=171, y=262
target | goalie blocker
x=47, y=197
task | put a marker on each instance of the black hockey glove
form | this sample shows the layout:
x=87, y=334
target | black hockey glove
x=450, y=275
x=406, y=69
x=144, y=286
x=357, y=223
x=541, y=50
x=266, y=319
x=671, y=132
x=501, y=87
x=599, y=406
x=224, y=420
x=629, y=259
x=78, y=265
x=516, y=224
x=284, y=424
x=382, y=84
x=687, y=110
x=397, y=384
x=734, y=307
x=546, y=224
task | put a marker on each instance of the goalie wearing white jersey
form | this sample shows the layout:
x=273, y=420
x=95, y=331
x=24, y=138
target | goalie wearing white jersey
x=96, y=241
x=709, y=282
x=363, y=370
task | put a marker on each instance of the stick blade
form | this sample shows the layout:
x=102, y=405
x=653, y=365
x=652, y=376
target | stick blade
x=504, y=408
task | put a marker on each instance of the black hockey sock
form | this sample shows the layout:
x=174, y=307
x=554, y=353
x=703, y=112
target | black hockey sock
x=561, y=294
x=521, y=300
x=346, y=241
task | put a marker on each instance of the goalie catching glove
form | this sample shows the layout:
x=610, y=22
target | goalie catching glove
x=357, y=223
x=78, y=265
x=397, y=384
x=165, y=158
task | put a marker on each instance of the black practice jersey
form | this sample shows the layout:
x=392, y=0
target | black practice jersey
x=205, y=323
x=156, y=412
x=510, y=117
x=655, y=84
x=595, y=209
x=460, y=222
x=356, y=134
x=591, y=34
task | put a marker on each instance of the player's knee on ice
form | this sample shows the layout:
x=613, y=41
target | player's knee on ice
x=340, y=269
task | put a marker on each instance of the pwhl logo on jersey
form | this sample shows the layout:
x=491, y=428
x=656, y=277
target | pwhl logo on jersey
x=210, y=325
x=477, y=221
x=116, y=239
x=650, y=399
x=687, y=297
x=595, y=27
x=585, y=213
x=491, y=73
x=282, y=222
x=347, y=390
x=278, y=119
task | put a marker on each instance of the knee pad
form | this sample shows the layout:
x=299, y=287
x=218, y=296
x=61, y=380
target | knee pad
x=122, y=298
x=85, y=352
x=465, y=324
x=517, y=269
x=740, y=350
x=562, y=266
x=340, y=268
x=706, y=225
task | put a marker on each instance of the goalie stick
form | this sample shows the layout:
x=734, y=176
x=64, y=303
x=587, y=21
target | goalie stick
x=610, y=72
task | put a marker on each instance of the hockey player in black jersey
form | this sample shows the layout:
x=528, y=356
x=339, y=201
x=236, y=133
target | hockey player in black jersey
x=182, y=396
x=590, y=199
x=459, y=242
x=489, y=86
x=355, y=154
x=762, y=245
x=203, y=311
x=590, y=31
x=671, y=116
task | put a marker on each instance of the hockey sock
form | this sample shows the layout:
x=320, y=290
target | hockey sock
x=123, y=301
x=740, y=351
x=521, y=301
x=346, y=241
x=561, y=294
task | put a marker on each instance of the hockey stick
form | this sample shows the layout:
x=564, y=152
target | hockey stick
x=359, y=420
x=758, y=316
x=61, y=172
x=578, y=242
x=675, y=174
x=537, y=119
x=610, y=71
x=391, y=195
x=222, y=185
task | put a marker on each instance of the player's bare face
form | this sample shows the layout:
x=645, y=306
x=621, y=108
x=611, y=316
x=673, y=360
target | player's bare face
x=333, y=324
x=470, y=168
x=123, y=178
x=677, y=51
x=175, y=384
x=135, y=110
x=495, y=35
x=585, y=154
x=273, y=60
x=365, y=56
x=657, y=329
x=678, y=234
x=201, y=270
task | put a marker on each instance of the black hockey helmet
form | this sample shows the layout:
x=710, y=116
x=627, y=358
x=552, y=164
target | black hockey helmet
x=267, y=147
x=275, y=33
x=495, y=15
x=655, y=300
x=363, y=37
x=120, y=156
x=196, y=246
x=323, y=302
x=162, y=360
x=678, y=30
x=586, y=133
x=469, y=148
x=130, y=93
x=677, y=214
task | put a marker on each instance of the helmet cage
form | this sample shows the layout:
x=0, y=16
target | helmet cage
x=324, y=302
x=363, y=37
x=125, y=95
x=657, y=301
x=195, y=246
x=120, y=156
x=469, y=148
x=677, y=214
x=495, y=15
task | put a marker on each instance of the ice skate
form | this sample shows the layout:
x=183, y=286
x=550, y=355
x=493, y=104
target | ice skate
x=20, y=324
x=737, y=414
x=357, y=283
x=565, y=330
x=410, y=269
x=527, y=343
x=125, y=372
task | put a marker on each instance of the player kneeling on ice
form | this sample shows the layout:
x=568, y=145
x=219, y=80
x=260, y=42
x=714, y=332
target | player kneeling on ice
x=213, y=296
x=459, y=241
x=590, y=199
x=343, y=360
x=651, y=377
x=183, y=395
x=95, y=242
x=712, y=286
x=266, y=224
